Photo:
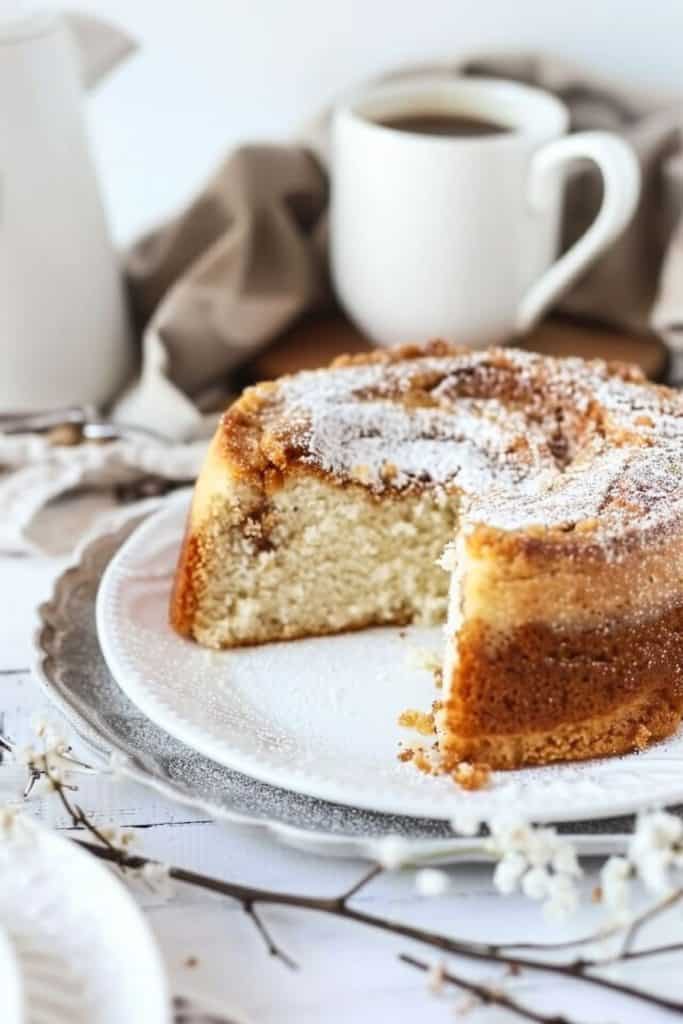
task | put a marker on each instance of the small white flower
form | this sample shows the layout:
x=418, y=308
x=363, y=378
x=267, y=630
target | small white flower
x=615, y=877
x=465, y=824
x=508, y=872
x=536, y=883
x=541, y=845
x=562, y=899
x=537, y=860
x=431, y=882
x=616, y=869
x=158, y=878
x=565, y=861
x=655, y=848
x=393, y=852
x=119, y=838
x=508, y=833
x=653, y=870
x=658, y=831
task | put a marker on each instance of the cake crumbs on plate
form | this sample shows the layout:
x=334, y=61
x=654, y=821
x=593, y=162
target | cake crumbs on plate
x=427, y=761
x=471, y=776
x=421, y=721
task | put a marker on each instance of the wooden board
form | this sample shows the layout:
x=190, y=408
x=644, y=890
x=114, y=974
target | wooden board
x=316, y=340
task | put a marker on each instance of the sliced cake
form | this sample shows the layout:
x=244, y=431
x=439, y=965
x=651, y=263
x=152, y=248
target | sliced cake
x=535, y=504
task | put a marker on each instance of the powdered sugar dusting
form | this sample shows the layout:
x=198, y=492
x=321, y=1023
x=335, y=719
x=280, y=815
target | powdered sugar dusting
x=529, y=439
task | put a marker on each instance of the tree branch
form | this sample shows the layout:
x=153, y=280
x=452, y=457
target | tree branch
x=271, y=945
x=648, y=915
x=487, y=995
x=368, y=877
x=576, y=970
x=248, y=897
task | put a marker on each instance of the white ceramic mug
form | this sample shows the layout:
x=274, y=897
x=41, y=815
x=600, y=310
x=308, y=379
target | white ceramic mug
x=457, y=236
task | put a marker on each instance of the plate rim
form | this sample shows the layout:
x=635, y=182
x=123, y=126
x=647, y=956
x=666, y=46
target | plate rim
x=327, y=789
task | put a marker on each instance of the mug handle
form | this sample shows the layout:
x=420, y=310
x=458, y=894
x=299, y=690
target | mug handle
x=621, y=188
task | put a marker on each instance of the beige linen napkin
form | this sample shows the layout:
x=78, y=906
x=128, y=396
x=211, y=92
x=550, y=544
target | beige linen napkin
x=224, y=277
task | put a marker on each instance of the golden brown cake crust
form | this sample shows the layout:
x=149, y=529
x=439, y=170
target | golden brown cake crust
x=184, y=594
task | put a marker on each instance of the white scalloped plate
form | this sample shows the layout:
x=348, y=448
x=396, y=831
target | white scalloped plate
x=80, y=948
x=319, y=716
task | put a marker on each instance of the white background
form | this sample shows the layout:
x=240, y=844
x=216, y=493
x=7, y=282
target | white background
x=212, y=72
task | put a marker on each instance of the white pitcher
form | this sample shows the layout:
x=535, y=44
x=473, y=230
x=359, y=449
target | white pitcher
x=64, y=332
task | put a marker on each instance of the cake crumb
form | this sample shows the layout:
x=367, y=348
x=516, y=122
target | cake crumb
x=426, y=761
x=438, y=677
x=406, y=754
x=191, y=961
x=471, y=776
x=421, y=721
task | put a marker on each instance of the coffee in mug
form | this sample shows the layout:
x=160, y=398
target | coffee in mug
x=453, y=125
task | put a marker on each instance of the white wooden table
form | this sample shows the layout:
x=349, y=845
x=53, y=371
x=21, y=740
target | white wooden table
x=347, y=973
